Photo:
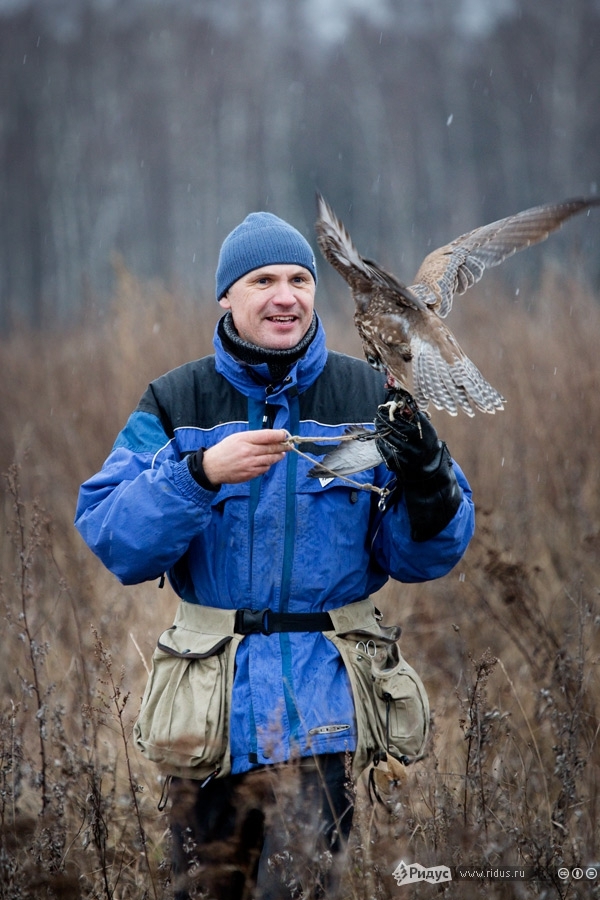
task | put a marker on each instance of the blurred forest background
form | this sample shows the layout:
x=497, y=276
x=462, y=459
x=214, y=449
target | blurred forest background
x=149, y=129
x=134, y=135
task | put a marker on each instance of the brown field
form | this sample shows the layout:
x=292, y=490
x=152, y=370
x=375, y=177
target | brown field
x=508, y=643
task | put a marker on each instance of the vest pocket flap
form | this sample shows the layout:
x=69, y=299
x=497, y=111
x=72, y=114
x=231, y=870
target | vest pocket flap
x=188, y=644
x=388, y=636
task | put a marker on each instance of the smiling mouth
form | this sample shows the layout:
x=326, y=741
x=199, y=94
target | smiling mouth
x=283, y=319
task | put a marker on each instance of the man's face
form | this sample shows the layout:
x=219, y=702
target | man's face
x=272, y=306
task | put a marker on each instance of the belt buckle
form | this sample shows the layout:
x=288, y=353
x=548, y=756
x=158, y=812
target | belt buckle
x=253, y=621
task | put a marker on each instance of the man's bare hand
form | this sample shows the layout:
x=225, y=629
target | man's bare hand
x=244, y=455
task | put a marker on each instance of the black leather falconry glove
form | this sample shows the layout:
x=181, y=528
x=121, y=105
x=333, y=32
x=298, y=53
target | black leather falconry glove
x=411, y=448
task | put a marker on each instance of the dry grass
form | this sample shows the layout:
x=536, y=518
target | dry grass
x=508, y=643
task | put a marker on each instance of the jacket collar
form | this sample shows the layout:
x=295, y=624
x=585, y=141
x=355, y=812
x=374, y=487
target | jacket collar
x=253, y=380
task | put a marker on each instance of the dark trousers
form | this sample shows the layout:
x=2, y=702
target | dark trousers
x=274, y=833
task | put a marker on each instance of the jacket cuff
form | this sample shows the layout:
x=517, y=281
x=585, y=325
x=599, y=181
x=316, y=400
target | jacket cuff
x=189, y=488
x=197, y=472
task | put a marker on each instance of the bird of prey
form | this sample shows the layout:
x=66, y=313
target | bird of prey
x=402, y=328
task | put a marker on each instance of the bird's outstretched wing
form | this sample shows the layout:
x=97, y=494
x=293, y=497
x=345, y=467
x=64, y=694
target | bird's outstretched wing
x=402, y=328
x=455, y=267
x=360, y=273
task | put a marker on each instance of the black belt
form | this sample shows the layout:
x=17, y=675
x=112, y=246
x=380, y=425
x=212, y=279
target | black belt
x=264, y=621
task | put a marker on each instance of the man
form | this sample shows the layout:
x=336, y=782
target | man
x=202, y=484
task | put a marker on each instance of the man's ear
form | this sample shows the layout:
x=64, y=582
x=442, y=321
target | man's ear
x=224, y=301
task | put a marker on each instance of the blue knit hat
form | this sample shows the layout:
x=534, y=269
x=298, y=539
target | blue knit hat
x=262, y=239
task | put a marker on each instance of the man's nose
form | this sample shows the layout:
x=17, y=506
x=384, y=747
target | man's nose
x=285, y=293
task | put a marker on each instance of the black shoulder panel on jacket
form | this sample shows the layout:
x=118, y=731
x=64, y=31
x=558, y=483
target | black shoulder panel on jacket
x=194, y=395
x=348, y=390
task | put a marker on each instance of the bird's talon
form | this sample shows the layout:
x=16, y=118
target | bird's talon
x=393, y=406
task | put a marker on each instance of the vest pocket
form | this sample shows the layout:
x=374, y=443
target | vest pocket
x=403, y=706
x=183, y=724
x=390, y=700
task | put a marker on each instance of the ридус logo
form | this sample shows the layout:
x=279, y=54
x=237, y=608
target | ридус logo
x=407, y=873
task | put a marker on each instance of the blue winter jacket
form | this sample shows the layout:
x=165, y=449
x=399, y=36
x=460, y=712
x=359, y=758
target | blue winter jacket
x=282, y=541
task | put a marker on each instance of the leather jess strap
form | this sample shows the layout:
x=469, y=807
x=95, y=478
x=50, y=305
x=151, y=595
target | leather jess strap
x=264, y=621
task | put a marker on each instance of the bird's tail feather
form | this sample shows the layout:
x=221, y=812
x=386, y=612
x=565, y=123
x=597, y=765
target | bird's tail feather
x=452, y=385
